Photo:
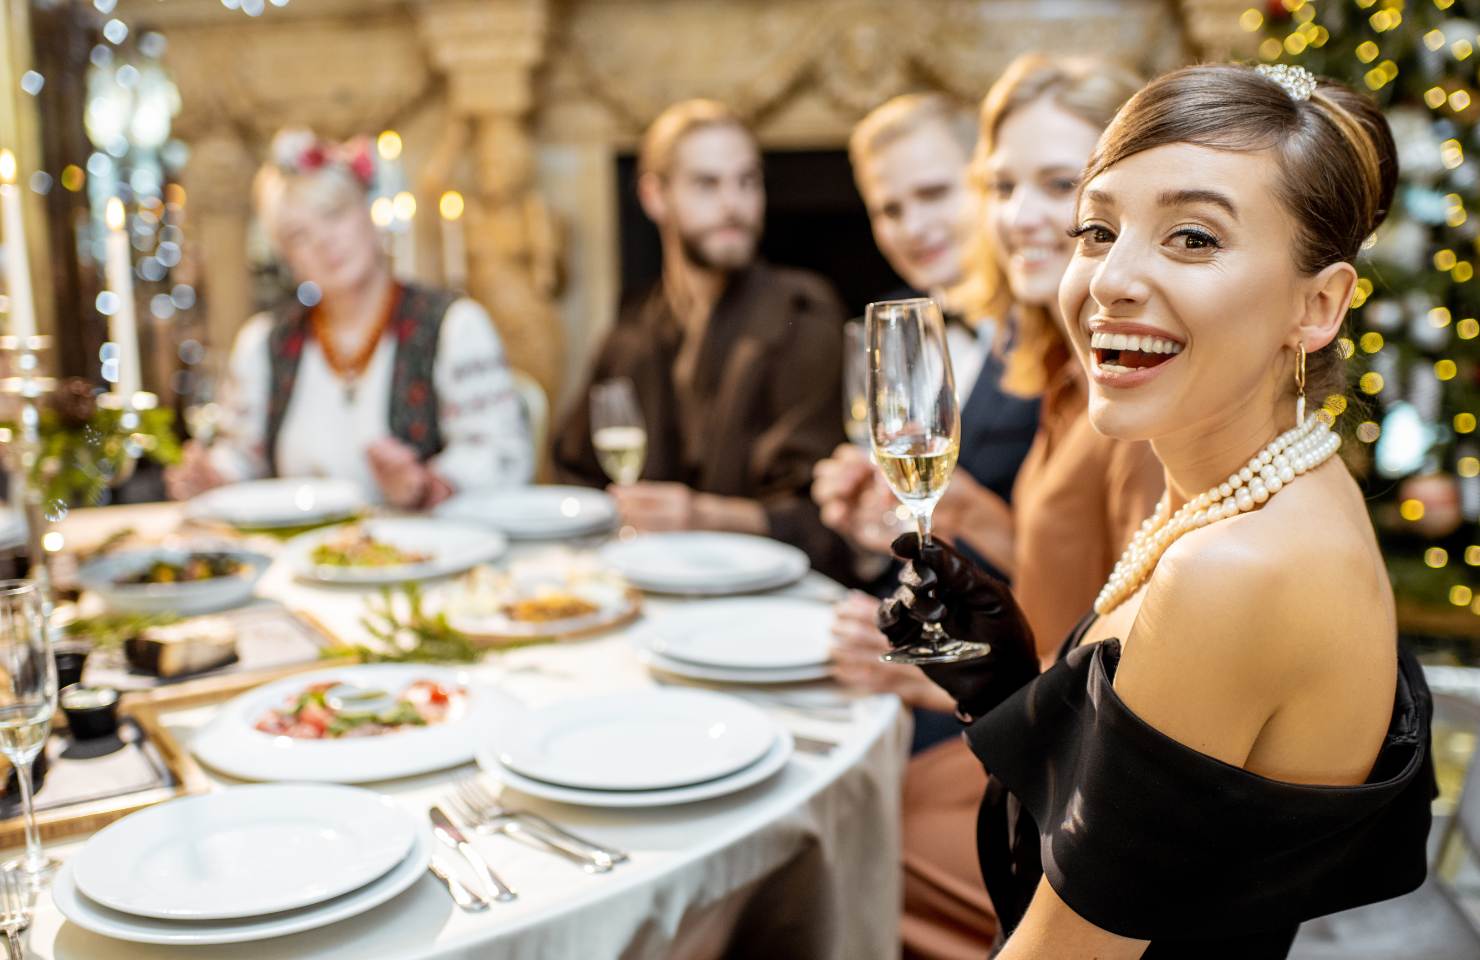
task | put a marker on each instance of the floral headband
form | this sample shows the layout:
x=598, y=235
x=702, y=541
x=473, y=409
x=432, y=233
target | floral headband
x=300, y=151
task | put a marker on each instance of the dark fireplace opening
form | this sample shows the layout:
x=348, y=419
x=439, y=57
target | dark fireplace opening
x=815, y=219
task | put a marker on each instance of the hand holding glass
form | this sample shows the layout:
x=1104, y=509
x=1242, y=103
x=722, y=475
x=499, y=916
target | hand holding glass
x=915, y=427
x=617, y=430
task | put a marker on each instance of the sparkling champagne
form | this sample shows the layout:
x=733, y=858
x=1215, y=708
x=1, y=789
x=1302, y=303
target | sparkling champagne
x=23, y=729
x=621, y=452
x=918, y=469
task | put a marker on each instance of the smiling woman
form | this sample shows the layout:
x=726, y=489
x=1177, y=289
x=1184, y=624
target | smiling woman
x=1221, y=751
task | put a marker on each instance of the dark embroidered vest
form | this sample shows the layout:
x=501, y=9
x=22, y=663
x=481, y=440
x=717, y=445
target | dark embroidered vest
x=415, y=326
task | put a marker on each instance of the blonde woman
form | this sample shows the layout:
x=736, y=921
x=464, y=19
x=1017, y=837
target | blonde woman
x=1078, y=496
x=399, y=388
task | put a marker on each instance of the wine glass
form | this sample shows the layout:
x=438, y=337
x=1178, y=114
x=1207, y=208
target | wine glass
x=855, y=383
x=915, y=426
x=617, y=430
x=28, y=698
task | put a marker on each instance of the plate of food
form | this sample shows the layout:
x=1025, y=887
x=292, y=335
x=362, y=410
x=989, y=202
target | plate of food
x=557, y=598
x=168, y=580
x=284, y=502
x=392, y=550
x=353, y=724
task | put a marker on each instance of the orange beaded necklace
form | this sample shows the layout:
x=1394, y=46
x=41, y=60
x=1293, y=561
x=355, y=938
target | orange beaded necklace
x=348, y=366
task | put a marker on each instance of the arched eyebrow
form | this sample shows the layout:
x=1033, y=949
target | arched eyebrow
x=1178, y=198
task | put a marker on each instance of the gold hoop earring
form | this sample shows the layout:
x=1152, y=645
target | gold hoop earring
x=1299, y=384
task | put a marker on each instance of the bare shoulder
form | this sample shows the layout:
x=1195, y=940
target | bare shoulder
x=1284, y=611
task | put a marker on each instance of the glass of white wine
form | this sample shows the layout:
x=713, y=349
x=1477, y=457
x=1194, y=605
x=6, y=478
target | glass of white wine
x=28, y=698
x=617, y=430
x=855, y=383
x=914, y=425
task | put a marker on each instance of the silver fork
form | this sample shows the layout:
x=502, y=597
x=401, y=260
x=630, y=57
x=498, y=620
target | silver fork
x=490, y=808
x=515, y=830
x=17, y=901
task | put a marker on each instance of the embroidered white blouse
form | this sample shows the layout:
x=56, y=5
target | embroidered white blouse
x=329, y=421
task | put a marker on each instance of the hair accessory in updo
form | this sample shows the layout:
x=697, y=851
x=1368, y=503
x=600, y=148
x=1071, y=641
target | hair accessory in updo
x=1298, y=82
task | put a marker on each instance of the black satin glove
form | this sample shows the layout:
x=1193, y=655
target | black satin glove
x=939, y=585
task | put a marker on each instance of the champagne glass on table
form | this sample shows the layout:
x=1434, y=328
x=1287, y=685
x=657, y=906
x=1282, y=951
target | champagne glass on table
x=915, y=428
x=855, y=383
x=28, y=698
x=617, y=430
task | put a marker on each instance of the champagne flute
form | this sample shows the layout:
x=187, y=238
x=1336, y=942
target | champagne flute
x=914, y=424
x=28, y=698
x=855, y=384
x=617, y=430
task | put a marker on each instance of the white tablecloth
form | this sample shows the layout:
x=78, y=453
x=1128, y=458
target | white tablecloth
x=803, y=865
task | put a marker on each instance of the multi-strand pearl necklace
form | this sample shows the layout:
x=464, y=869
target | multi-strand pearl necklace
x=1292, y=453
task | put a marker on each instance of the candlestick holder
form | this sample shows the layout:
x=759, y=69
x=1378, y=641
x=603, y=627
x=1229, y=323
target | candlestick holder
x=23, y=445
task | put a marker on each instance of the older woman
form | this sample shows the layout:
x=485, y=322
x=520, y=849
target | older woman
x=399, y=388
x=1223, y=748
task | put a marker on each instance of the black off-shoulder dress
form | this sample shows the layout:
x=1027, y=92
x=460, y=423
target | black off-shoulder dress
x=1148, y=838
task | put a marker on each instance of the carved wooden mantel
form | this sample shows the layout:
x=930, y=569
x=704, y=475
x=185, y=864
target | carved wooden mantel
x=523, y=104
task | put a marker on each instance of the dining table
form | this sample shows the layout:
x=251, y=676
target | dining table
x=804, y=864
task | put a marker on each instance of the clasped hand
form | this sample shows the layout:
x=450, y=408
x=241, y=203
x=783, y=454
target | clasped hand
x=940, y=586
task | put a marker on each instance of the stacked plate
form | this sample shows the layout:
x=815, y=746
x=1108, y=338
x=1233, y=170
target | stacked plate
x=643, y=748
x=535, y=513
x=705, y=564
x=753, y=640
x=244, y=864
x=277, y=504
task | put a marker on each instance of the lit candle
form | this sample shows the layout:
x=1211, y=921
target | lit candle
x=454, y=249
x=404, y=205
x=122, y=329
x=17, y=269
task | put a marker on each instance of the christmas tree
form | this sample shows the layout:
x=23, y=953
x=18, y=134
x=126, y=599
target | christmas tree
x=1414, y=341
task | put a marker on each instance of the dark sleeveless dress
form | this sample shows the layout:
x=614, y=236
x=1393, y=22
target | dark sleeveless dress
x=1150, y=839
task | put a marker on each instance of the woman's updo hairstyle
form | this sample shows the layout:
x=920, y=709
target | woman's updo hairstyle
x=1338, y=163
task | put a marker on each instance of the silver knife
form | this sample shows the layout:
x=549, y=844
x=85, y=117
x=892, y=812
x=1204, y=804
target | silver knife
x=447, y=831
x=470, y=900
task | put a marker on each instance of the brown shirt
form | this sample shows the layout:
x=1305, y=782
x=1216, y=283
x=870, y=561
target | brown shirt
x=1078, y=499
x=762, y=406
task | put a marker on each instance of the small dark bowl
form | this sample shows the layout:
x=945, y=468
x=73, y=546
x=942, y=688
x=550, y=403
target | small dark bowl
x=91, y=711
x=71, y=657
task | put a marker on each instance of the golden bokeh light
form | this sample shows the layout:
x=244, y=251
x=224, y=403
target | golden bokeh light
x=1445, y=369
x=388, y=145
x=1464, y=422
x=1368, y=431
x=1411, y=510
x=1461, y=595
x=1436, y=557
x=1371, y=341
x=1468, y=328
x=1468, y=467
x=1371, y=383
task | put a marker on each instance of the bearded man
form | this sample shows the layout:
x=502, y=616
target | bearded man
x=737, y=363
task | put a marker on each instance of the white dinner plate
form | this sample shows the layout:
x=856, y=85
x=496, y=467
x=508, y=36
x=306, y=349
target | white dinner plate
x=694, y=671
x=79, y=909
x=755, y=633
x=637, y=740
x=283, y=502
x=450, y=546
x=187, y=598
x=699, y=563
x=763, y=769
x=534, y=513
x=231, y=744
x=244, y=852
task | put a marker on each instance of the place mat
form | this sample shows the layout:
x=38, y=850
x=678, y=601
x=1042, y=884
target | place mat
x=91, y=783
